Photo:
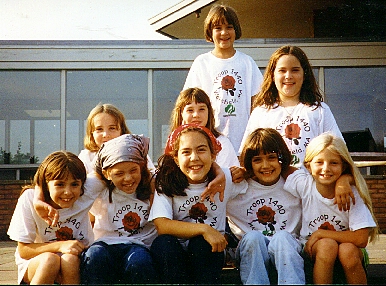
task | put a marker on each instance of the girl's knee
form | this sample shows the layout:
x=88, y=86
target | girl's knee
x=349, y=255
x=252, y=239
x=50, y=260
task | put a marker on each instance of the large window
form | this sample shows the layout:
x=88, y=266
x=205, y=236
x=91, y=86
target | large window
x=127, y=90
x=48, y=90
x=357, y=98
x=30, y=108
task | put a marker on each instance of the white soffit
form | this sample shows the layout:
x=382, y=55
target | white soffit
x=177, y=12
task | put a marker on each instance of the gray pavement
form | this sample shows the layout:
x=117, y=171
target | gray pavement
x=376, y=271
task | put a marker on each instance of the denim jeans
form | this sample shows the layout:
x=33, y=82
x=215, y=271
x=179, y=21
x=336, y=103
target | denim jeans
x=260, y=258
x=197, y=265
x=117, y=263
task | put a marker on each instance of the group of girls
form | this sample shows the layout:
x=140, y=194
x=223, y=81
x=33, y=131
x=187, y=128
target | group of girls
x=167, y=225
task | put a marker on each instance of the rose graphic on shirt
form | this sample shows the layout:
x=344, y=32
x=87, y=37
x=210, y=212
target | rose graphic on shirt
x=228, y=84
x=198, y=212
x=292, y=132
x=64, y=233
x=266, y=216
x=327, y=226
x=131, y=221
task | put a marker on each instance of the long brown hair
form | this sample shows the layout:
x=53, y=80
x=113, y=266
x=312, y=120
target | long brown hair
x=189, y=96
x=269, y=95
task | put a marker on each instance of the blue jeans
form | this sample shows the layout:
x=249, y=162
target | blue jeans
x=260, y=258
x=197, y=265
x=126, y=263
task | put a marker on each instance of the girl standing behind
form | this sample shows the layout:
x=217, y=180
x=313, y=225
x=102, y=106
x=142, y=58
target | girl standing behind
x=46, y=254
x=122, y=231
x=190, y=246
x=104, y=122
x=329, y=234
x=193, y=106
x=291, y=103
x=230, y=77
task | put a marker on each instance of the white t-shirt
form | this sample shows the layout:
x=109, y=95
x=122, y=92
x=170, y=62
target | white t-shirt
x=267, y=209
x=298, y=125
x=88, y=159
x=125, y=220
x=230, y=84
x=28, y=227
x=321, y=212
x=227, y=157
x=190, y=209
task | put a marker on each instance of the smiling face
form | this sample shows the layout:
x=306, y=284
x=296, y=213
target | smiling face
x=326, y=168
x=126, y=176
x=196, y=113
x=194, y=157
x=64, y=192
x=105, y=128
x=224, y=36
x=266, y=168
x=288, y=78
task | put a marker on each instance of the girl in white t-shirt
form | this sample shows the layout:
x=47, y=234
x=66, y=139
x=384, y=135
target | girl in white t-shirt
x=123, y=233
x=190, y=246
x=50, y=253
x=104, y=122
x=193, y=106
x=330, y=235
x=290, y=102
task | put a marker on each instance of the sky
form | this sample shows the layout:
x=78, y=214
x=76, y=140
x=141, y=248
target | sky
x=80, y=19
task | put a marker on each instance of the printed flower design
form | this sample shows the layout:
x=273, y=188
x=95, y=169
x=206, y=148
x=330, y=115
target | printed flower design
x=292, y=132
x=228, y=84
x=131, y=221
x=266, y=216
x=198, y=212
x=64, y=233
x=327, y=226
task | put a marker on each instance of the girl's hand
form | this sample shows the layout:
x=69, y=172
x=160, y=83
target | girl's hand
x=311, y=241
x=73, y=247
x=49, y=214
x=343, y=192
x=217, y=185
x=238, y=174
x=215, y=239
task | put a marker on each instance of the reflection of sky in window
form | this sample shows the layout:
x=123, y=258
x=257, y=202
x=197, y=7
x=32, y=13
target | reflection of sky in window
x=47, y=137
x=357, y=105
x=20, y=132
x=72, y=136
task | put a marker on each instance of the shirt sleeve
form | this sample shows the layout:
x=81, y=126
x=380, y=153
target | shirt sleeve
x=23, y=226
x=193, y=77
x=328, y=123
x=299, y=183
x=162, y=207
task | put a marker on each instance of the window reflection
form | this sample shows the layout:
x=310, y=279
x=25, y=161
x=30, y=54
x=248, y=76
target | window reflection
x=125, y=89
x=27, y=96
x=167, y=85
x=357, y=99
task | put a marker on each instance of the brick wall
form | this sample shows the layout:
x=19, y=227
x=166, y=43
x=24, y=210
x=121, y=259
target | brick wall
x=10, y=191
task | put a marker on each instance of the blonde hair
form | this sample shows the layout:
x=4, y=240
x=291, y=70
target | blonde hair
x=89, y=142
x=220, y=14
x=328, y=141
